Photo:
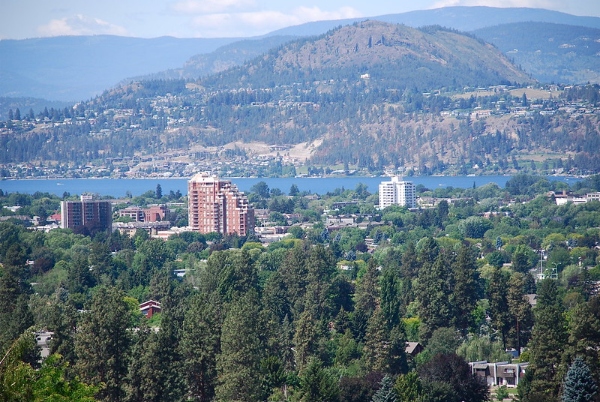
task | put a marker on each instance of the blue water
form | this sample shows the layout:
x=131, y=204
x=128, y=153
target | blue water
x=119, y=187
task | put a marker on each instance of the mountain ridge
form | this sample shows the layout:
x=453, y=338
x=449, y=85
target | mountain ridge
x=78, y=72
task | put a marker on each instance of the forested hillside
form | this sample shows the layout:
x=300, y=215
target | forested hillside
x=549, y=52
x=322, y=315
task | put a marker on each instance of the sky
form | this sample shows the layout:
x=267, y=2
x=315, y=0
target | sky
x=20, y=19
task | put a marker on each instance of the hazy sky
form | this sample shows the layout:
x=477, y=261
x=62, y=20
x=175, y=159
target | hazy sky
x=217, y=18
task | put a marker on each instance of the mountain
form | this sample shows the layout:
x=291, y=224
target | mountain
x=391, y=55
x=460, y=18
x=549, y=52
x=221, y=59
x=79, y=67
x=74, y=68
x=502, y=27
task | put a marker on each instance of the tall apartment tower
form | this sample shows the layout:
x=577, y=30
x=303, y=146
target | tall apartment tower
x=88, y=212
x=216, y=205
x=397, y=192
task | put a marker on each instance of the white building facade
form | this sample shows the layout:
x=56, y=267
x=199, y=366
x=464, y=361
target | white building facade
x=397, y=192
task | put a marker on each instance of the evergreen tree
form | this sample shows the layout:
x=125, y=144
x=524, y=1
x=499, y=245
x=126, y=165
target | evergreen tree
x=201, y=344
x=317, y=384
x=102, y=344
x=15, y=316
x=238, y=365
x=384, y=349
x=142, y=377
x=386, y=393
x=366, y=290
x=579, y=386
x=433, y=292
x=391, y=301
x=498, y=309
x=547, y=341
x=584, y=335
x=520, y=311
x=466, y=292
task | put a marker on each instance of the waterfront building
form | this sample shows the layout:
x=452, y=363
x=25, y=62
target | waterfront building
x=93, y=214
x=397, y=192
x=216, y=205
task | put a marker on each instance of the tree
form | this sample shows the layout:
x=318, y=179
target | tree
x=294, y=191
x=466, y=290
x=15, y=316
x=520, y=311
x=201, y=344
x=498, y=310
x=433, y=291
x=579, y=385
x=102, y=344
x=366, y=290
x=158, y=193
x=408, y=387
x=317, y=384
x=452, y=374
x=238, y=365
x=548, y=338
x=261, y=188
x=384, y=349
x=584, y=335
x=386, y=393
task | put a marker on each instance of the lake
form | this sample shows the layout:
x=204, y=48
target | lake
x=119, y=187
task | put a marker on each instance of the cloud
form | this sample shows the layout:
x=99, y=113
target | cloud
x=261, y=22
x=80, y=25
x=212, y=6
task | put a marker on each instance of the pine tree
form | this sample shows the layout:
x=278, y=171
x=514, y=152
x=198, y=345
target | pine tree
x=238, y=365
x=547, y=341
x=201, y=344
x=384, y=349
x=386, y=393
x=584, y=335
x=579, y=386
x=391, y=301
x=466, y=292
x=102, y=344
x=433, y=291
x=366, y=290
x=498, y=310
x=317, y=384
x=520, y=311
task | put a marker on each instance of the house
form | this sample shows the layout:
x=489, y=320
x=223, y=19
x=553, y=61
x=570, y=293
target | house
x=149, y=308
x=413, y=348
x=500, y=373
x=43, y=338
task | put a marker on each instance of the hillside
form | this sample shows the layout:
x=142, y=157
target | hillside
x=371, y=95
x=549, y=52
x=390, y=55
x=74, y=68
x=80, y=67
x=223, y=58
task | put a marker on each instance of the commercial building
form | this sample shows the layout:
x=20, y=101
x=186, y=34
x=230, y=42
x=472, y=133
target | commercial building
x=154, y=213
x=93, y=214
x=397, y=192
x=216, y=205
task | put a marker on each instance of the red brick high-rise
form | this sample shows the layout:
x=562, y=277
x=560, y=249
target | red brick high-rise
x=216, y=205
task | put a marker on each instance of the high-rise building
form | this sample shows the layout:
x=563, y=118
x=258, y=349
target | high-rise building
x=397, y=192
x=216, y=205
x=94, y=214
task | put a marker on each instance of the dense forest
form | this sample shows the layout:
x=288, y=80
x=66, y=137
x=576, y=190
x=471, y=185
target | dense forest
x=322, y=315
